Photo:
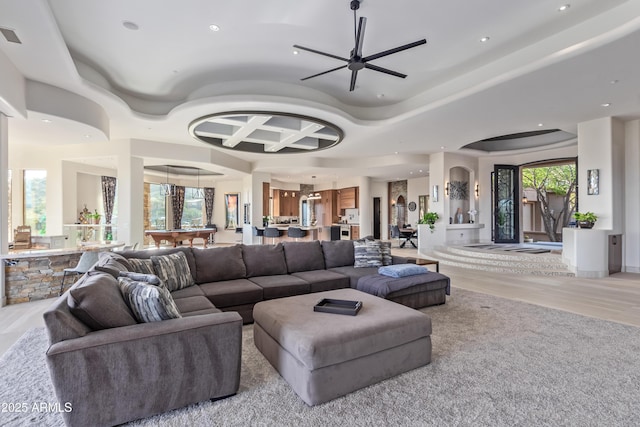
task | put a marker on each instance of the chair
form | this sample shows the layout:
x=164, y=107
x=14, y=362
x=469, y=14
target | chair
x=22, y=237
x=395, y=233
x=87, y=259
x=273, y=233
x=408, y=236
x=296, y=233
x=258, y=232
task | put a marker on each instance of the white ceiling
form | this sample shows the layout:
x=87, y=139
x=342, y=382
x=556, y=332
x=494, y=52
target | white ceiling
x=540, y=65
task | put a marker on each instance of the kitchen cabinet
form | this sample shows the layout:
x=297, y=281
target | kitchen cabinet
x=286, y=203
x=326, y=209
x=347, y=198
x=355, y=232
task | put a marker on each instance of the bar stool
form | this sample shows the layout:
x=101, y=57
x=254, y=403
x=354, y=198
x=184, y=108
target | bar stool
x=239, y=234
x=87, y=259
x=296, y=232
x=259, y=233
x=273, y=233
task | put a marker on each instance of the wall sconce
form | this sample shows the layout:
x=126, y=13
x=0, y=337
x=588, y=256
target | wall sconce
x=525, y=200
x=477, y=190
x=446, y=189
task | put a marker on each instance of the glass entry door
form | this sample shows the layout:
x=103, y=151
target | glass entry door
x=506, y=224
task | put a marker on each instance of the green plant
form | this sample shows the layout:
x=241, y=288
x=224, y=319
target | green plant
x=586, y=216
x=430, y=219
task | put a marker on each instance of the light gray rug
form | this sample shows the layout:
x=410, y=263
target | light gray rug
x=496, y=362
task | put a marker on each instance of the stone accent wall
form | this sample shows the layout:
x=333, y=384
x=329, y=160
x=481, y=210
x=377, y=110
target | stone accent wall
x=397, y=189
x=31, y=279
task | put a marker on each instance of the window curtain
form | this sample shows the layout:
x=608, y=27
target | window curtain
x=109, y=198
x=177, y=204
x=208, y=203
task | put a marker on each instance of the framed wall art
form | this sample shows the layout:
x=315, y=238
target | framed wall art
x=593, y=184
x=232, y=218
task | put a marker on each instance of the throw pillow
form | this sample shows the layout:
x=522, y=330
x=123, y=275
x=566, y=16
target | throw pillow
x=147, y=302
x=151, y=279
x=367, y=254
x=96, y=300
x=173, y=270
x=402, y=270
x=140, y=265
x=112, y=263
x=385, y=251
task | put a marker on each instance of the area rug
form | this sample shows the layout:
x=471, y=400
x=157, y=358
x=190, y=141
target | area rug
x=496, y=362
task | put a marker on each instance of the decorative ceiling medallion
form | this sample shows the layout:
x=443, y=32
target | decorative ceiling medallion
x=266, y=132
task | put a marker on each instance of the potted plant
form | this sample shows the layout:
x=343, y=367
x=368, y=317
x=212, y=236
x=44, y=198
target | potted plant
x=586, y=219
x=528, y=239
x=95, y=217
x=430, y=219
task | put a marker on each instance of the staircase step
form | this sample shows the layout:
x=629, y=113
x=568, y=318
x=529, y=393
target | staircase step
x=502, y=262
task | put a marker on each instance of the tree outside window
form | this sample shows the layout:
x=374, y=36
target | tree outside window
x=35, y=200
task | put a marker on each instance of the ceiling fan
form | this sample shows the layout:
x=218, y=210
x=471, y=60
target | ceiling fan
x=356, y=61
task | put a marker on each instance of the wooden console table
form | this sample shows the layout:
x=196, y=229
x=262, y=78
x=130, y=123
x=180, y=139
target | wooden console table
x=175, y=236
x=425, y=261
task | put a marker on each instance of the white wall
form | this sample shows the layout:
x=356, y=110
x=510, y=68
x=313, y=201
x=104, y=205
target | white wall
x=89, y=193
x=416, y=187
x=631, y=238
x=595, y=151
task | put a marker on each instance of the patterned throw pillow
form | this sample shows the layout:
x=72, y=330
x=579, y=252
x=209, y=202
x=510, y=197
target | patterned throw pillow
x=112, y=263
x=385, y=251
x=151, y=279
x=148, y=303
x=173, y=270
x=139, y=265
x=367, y=253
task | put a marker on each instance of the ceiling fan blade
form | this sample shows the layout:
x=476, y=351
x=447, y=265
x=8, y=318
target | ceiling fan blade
x=394, y=50
x=384, y=70
x=360, y=36
x=320, y=53
x=354, y=76
x=325, y=72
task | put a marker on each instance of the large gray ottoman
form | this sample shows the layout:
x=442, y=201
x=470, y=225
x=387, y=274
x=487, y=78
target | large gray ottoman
x=324, y=355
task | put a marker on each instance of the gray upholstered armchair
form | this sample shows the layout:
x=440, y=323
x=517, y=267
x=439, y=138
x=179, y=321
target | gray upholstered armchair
x=115, y=375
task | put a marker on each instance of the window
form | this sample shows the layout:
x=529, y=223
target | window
x=193, y=211
x=156, y=208
x=35, y=200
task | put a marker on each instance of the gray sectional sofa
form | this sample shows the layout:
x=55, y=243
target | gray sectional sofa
x=112, y=368
x=235, y=278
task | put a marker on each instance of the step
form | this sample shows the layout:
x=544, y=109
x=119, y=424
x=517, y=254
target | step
x=525, y=264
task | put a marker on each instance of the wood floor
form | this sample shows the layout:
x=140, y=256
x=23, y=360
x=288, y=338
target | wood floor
x=615, y=298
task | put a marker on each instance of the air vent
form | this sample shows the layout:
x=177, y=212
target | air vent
x=10, y=35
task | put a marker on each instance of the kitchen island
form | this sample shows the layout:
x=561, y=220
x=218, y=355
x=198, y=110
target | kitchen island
x=313, y=233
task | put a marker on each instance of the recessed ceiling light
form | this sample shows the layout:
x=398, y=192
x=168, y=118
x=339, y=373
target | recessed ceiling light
x=420, y=171
x=214, y=27
x=613, y=82
x=130, y=25
x=485, y=39
x=380, y=95
x=442, y=148
x=87, y=136
x=606, y=104
x=540, y=125
x=564, y=7
x=411, y=173
x=395, y=152
x=295, y=52
x=46, y=121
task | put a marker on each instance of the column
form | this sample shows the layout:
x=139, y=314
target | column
x=4, y=197
x=365, y=201
x=631, y=241
x=130, y=190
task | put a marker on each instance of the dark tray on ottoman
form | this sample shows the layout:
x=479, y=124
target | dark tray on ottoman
x=338, y=306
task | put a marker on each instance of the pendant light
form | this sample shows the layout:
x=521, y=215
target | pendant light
x=167, y=189
x=197, y=193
